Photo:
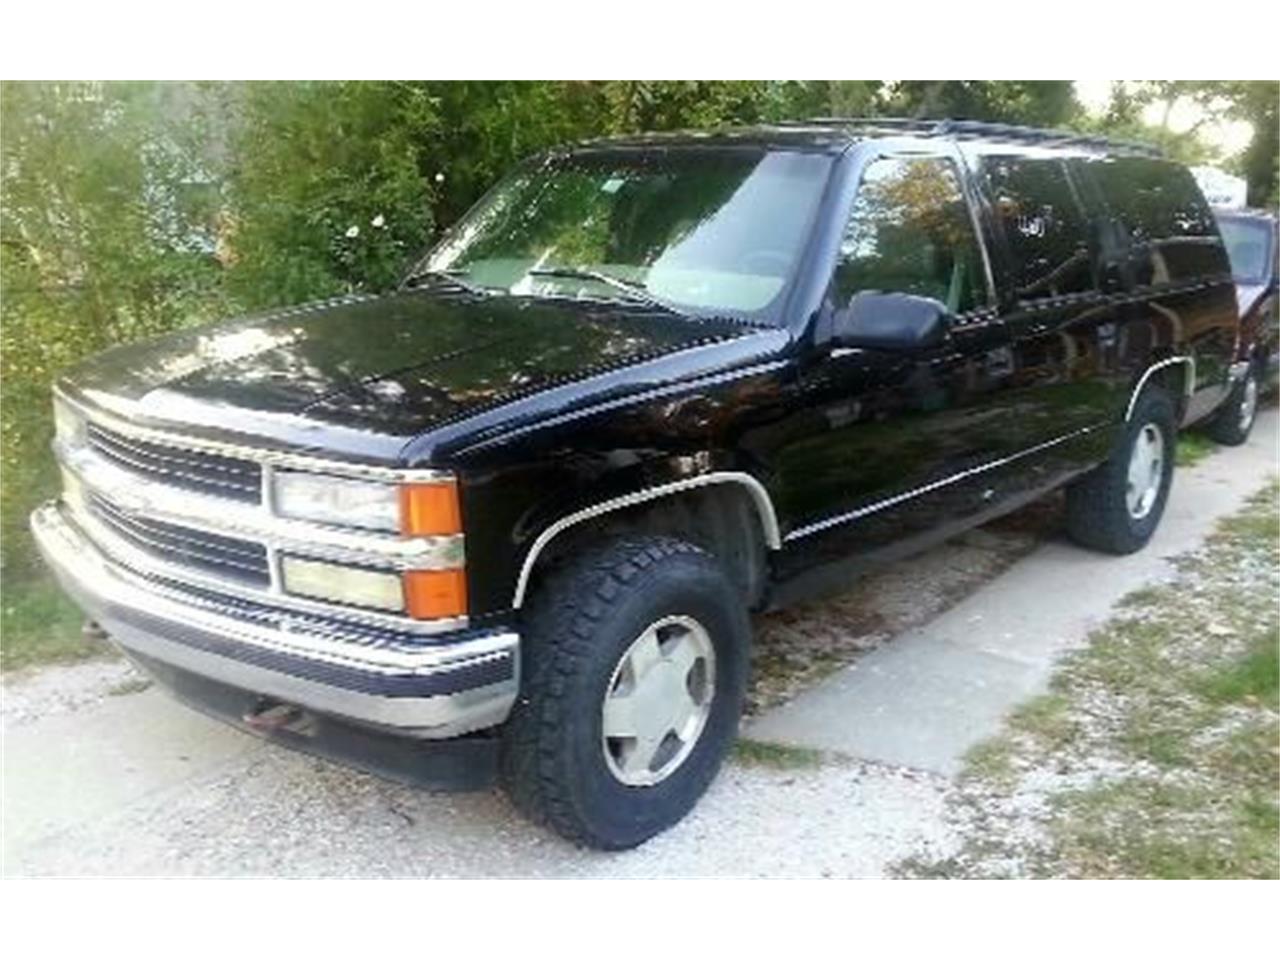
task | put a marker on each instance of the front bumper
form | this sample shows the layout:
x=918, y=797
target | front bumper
x=439, y=686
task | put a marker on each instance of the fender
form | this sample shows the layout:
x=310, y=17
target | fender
x=759, y=497
x=1189, y=382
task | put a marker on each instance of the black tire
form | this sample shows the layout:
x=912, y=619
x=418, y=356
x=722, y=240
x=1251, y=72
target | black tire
x=1234, y=420
x=582, y=621
x=1098, y=515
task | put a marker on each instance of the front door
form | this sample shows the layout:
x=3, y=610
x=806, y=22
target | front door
x=892, y=446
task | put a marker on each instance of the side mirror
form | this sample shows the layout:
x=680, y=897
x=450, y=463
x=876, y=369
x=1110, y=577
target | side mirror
x=891, y=321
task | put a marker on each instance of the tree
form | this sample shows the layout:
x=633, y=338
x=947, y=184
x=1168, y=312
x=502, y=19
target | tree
x=1042, y=103
x=104, y=238
x=1254, y=101
x=328, y=189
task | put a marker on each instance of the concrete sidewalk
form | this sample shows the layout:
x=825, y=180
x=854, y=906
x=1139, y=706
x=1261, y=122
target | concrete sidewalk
x=926, y=697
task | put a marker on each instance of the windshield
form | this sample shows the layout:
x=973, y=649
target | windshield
x=1248, y=247
x=696, y=229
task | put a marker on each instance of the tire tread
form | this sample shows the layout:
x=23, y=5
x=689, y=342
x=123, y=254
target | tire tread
x=566, y=615
x=1097, y=515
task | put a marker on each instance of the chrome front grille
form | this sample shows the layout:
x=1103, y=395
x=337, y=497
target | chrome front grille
x=240, y=560
x=195, y=470
x=194, y=511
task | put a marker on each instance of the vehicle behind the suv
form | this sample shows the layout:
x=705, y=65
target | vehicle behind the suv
x=510, y=520
x=1253, y=247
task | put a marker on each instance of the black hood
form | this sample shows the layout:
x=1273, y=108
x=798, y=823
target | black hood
x=379, y=367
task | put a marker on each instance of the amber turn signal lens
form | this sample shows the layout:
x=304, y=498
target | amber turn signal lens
x=429, y=509
x=432, y=594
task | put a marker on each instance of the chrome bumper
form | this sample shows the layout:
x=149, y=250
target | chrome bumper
x=441, y=686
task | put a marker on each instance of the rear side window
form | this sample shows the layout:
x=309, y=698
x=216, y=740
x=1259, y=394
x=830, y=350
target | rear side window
x=1044, y=227
x=1171, y=229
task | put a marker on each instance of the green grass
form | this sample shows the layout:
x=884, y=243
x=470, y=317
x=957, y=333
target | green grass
x=776, y=756
x=1158, y=747
x=1255, y=677
x=1045, y=717
x=992, y=760
x=38, y=624
x=1150, y=828
x=1193, y=447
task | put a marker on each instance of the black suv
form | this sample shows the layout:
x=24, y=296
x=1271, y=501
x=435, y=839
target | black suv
x=511, y=519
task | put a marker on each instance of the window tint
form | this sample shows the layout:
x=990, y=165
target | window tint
x=910, y=232
x=1171, y=229
x=1044, y=227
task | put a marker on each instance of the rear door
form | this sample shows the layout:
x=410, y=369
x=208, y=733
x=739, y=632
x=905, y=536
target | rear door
x=1181, y=300
x=1059, y=307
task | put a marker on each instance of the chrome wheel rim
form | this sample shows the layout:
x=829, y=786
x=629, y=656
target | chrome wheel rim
x=1248, y=403
x=1146, y=471
x=658, y=700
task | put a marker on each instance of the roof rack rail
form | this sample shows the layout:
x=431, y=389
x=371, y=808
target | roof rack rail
x=981, y=128
x=1011, y=131
x=906, y=123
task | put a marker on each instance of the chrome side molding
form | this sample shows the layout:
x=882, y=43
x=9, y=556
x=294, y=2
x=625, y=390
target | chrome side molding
x=759, y=496
x=829, y=522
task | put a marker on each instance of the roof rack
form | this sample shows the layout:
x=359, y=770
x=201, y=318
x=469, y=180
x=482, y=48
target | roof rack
x=971, y=129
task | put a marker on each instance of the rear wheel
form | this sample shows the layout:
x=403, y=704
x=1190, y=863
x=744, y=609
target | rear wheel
x=635, y=667
x=1234, y=420
x=1117, y=506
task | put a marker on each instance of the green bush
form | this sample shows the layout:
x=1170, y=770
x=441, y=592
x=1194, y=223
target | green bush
x=330, y=190
x=101, y=242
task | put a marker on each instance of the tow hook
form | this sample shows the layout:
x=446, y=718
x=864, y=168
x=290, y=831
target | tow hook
x=271, y=715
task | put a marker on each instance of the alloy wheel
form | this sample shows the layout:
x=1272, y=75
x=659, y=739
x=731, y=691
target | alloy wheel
x=1146, y=471
x=658, y=700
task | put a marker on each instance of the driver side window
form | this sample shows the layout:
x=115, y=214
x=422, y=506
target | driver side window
x=909, y=232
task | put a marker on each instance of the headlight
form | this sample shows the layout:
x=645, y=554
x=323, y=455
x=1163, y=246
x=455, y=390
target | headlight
x=411, y=509
x=68, y=425
x=379, y=589
x=414, y=509
x=348, y=503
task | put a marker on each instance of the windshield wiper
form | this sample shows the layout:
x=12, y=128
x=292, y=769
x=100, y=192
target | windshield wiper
x=636, y=291
x=457, y=276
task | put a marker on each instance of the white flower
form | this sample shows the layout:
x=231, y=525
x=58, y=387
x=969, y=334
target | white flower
x=352, y=232
x=439, y=178
x=379, y=221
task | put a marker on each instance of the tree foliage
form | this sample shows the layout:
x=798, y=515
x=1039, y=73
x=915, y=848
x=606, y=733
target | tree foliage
x=102, y=229
x=329, y=187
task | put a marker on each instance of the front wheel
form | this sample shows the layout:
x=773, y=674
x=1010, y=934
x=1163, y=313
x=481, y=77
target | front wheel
x=1117, y=506
x=635, y=668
